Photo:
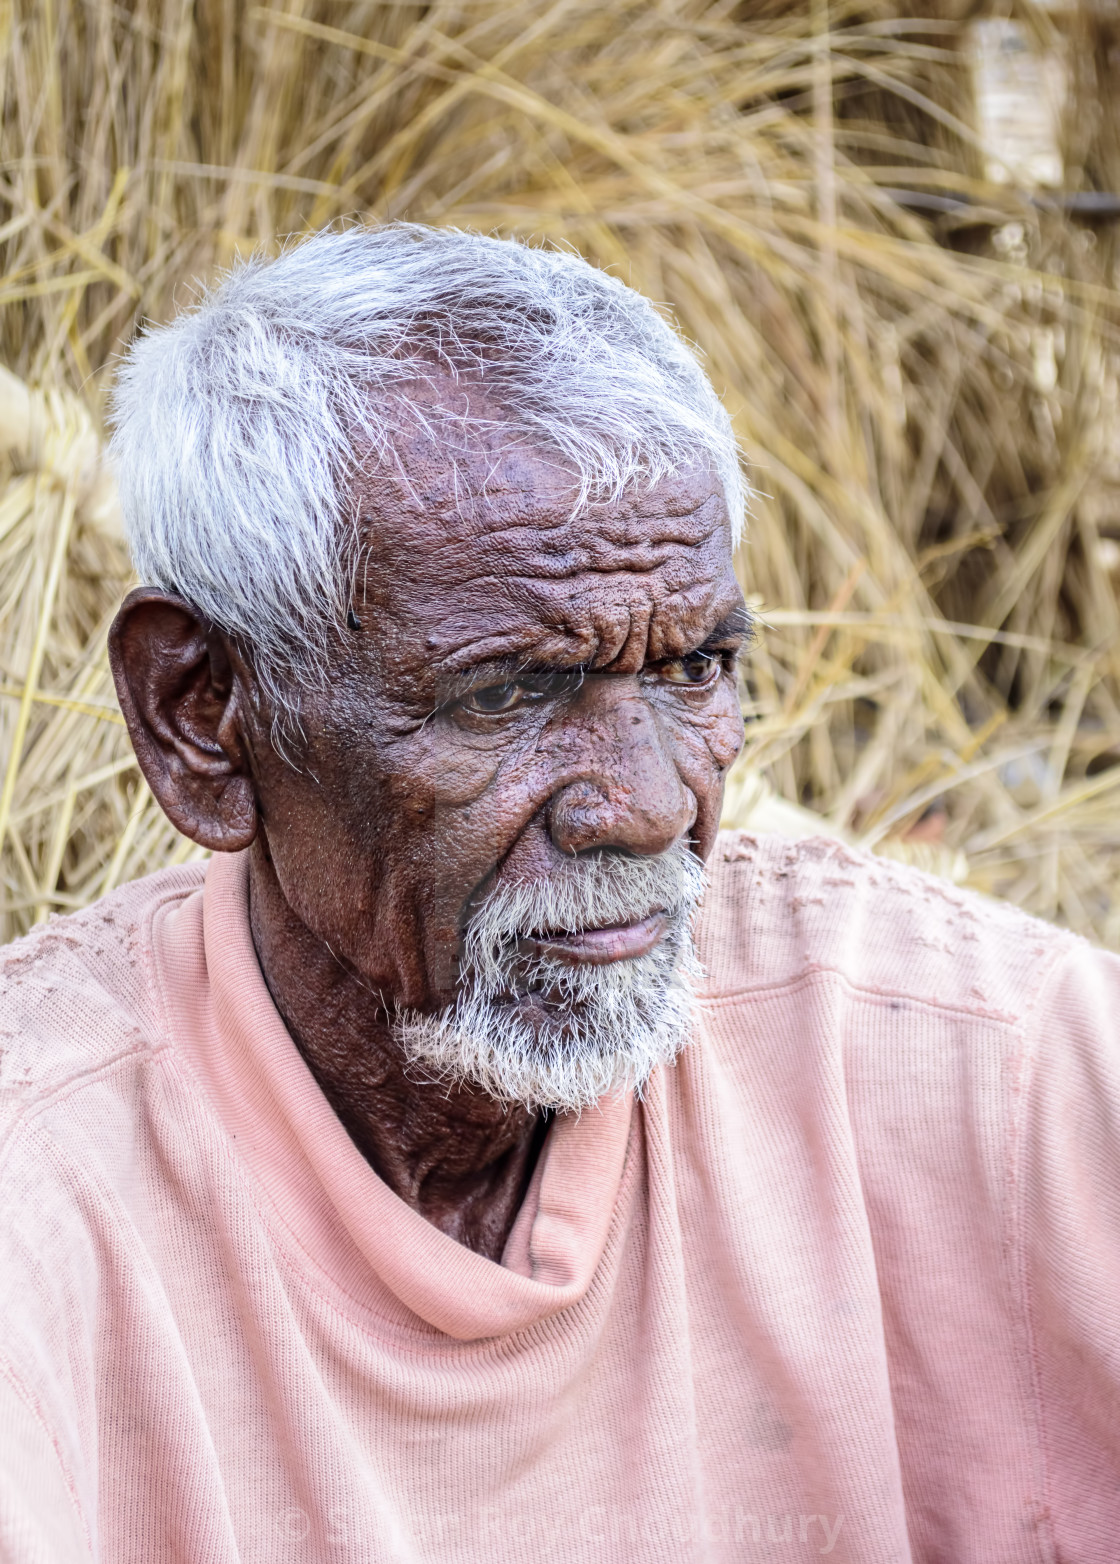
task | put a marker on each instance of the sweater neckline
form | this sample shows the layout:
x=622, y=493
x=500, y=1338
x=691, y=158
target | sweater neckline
x=346, y=1218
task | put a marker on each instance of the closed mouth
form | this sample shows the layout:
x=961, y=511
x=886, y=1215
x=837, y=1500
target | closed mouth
x=598, y=947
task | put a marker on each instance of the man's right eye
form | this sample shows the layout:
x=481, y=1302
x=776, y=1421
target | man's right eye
x=494, y=699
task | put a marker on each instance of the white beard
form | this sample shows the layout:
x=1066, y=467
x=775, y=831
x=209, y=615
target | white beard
x=553, y=1035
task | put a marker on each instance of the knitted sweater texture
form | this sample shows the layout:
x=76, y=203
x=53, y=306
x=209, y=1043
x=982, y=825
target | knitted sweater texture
x=845, y=1283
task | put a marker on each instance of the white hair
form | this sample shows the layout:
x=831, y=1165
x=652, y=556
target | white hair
x=237, y=424
x=549, y=1034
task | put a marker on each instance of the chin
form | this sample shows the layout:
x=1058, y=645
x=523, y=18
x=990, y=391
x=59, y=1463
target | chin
x=575, y=1037
x=558, y=1034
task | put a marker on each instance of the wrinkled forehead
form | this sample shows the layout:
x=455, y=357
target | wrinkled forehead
x=495, y=556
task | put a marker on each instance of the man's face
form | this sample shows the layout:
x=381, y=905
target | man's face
x=525, y=687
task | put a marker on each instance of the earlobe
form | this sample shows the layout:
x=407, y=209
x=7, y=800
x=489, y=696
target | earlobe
x=182, y=695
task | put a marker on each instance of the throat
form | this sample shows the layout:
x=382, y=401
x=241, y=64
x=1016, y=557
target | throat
x=471, y=1190
x=458, y=1157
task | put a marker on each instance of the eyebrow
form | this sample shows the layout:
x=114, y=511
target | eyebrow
x=735, y=627
x=738, y=625
x=502, y=670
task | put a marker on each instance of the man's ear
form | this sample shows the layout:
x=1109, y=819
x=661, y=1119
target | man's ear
x=181, y=689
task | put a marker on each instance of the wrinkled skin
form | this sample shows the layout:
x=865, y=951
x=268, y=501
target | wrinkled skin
x=428, y=769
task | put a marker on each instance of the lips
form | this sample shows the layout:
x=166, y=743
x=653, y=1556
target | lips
x=598, y=947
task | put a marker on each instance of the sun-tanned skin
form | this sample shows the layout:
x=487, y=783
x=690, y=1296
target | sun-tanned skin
x=410, y=796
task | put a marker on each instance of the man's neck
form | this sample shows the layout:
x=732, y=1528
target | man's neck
x=458, y=1157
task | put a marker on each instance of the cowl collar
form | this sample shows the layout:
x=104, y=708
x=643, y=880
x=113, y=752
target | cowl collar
x=344, y=1217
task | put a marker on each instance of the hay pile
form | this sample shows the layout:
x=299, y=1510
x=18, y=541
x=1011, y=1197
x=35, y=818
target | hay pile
x=922, y=363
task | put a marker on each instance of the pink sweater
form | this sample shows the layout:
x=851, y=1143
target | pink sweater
x=846, y=1283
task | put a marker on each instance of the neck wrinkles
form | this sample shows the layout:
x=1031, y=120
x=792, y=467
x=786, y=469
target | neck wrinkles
x=458, y=1157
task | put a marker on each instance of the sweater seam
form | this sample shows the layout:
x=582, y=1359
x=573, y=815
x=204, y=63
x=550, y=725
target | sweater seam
x=813, y=970
x=28, y=1104
x=152, y=977
x=33, y=1405
x=1016, y=1222
x=280, y=1233
x=32, y=1108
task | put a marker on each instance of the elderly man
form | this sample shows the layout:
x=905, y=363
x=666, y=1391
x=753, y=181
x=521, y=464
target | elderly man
x=430, y=1177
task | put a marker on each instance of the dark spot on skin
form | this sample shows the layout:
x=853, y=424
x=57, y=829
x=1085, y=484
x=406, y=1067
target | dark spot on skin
x=352, y=620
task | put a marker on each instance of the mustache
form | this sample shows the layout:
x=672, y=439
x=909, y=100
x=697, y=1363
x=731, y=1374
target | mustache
x=559, y=1036
x=601, y=890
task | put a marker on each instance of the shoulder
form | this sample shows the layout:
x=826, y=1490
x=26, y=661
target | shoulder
x=779, y=910
x=76, y=992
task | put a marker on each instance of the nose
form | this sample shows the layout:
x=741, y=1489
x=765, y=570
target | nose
x=625, y=790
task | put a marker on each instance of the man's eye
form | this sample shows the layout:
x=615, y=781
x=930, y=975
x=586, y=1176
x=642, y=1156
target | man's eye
x=495, y=698
x=695, y=669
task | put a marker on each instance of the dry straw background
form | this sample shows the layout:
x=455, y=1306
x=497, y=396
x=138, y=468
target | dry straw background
x=921, y=361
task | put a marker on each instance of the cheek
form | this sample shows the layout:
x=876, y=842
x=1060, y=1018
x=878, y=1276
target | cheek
x=711, y=739
x=322, y=872
x=429, y=832
x=478, y=800
x=708, y=745
x=423, y=828
x=455, y=776
x=724, y=738
x=378, y=847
